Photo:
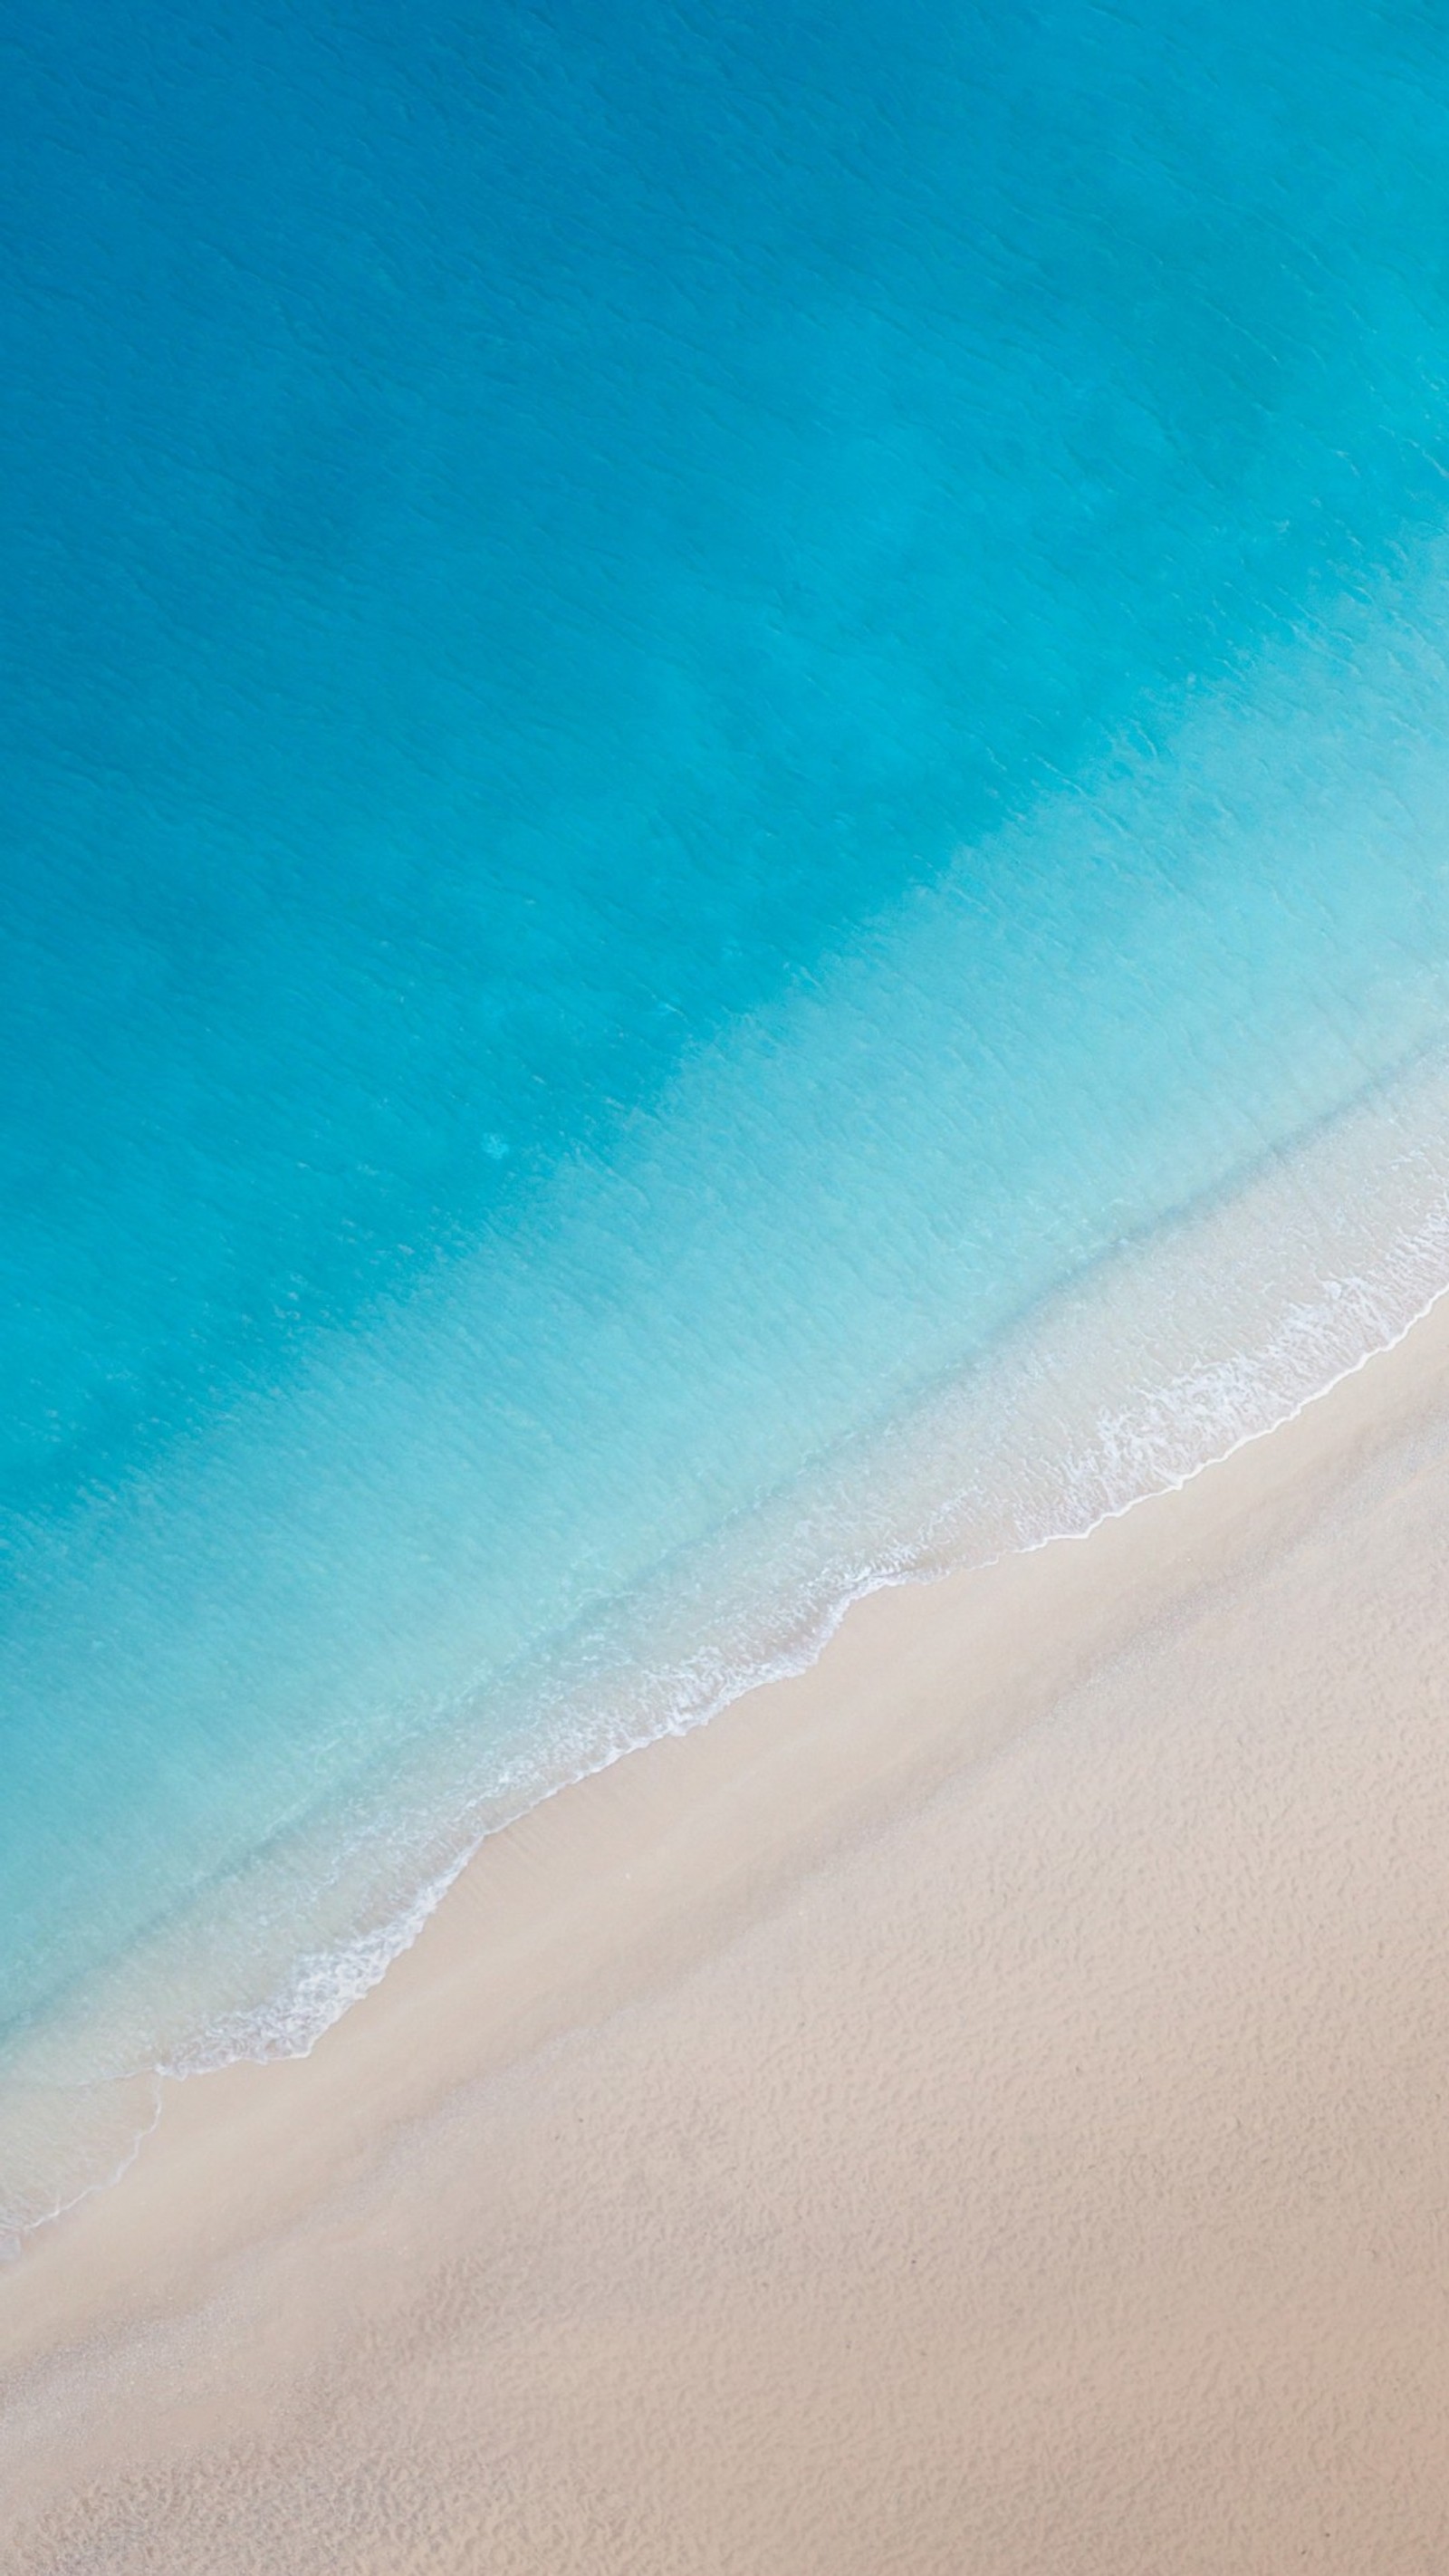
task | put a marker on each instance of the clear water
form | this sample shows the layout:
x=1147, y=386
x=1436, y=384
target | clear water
x=726, y=800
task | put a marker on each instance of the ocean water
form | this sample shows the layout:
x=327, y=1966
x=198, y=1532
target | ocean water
x=725, y=874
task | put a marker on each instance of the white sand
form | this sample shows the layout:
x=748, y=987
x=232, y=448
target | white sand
x=982, y=2106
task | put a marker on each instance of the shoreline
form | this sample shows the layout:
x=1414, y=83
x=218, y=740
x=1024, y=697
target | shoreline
x=1086, y=1408
x=616, y=1892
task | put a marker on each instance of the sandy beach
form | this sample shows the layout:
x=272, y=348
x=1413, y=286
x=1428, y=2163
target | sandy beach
x=983, y=2105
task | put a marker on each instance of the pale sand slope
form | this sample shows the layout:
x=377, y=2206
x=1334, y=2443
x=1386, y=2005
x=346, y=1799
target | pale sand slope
x=983, y=2106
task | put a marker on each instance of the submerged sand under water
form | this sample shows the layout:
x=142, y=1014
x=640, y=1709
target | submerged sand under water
x=983, y=2104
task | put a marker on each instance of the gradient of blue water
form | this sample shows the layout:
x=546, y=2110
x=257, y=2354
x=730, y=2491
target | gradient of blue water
x=530, y=536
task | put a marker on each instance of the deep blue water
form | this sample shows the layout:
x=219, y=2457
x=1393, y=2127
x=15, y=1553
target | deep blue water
x=693, y=701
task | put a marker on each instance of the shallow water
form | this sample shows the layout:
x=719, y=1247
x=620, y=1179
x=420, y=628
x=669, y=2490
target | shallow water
x=726, y=757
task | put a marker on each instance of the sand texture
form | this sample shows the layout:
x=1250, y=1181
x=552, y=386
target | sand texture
x=982, y=2106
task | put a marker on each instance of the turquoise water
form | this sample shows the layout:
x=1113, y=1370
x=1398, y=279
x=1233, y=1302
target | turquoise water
x=709, y=719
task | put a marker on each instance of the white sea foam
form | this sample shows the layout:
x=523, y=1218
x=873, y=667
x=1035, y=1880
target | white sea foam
x=1166, y=1357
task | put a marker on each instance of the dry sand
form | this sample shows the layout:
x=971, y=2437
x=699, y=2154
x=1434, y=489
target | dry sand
x=981, y=2106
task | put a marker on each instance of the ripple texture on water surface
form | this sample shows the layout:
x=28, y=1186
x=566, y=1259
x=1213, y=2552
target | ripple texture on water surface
x=727, y=795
